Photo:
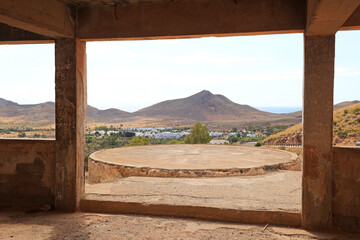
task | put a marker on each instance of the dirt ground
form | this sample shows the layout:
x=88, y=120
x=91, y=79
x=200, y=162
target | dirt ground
x=280, y=190
x=81, y=226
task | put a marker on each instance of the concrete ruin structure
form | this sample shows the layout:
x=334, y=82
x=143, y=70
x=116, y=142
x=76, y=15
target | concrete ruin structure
x=38, y=172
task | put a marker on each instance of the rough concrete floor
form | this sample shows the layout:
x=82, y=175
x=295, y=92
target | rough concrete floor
x=198, y=156
x=273, y=191
x=15, y=225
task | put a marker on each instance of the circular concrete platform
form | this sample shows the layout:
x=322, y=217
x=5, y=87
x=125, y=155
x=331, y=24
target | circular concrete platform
x=187, y=161
x=184, y=156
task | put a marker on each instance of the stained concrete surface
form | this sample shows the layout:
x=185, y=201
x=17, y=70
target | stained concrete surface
x=27, y=169
x=280, y=190
x=193, y=156
x=51, y=225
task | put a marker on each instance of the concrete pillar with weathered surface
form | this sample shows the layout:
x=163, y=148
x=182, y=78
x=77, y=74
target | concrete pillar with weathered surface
x=317, y=131
x=70, y=88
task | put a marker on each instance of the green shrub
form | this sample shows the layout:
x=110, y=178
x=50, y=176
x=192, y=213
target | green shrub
x=233, y=139
x=356, y=111
x=22, y=134
x=36, y=135
x=343, y=134
x=346, y=111
x=129, y=134
x=258, y=144
x=139, y=141
x=198, y=134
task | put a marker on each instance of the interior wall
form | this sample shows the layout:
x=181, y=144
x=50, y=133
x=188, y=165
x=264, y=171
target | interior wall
x=27, y=173
x=346, y=188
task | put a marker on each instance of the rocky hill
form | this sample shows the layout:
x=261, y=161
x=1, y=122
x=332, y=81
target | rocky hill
x=205, y=106
x=107, y=116
x=346, y=128
x=215, y=110
x=44, y=113
x=30, y=112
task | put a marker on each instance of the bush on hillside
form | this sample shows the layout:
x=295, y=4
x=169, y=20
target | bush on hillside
x=22, y=134
x=233, y=139
x=129, y=134
x=139, y=141
x=258, y=144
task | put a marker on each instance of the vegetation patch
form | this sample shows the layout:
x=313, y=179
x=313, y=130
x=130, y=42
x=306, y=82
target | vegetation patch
x=346, y=129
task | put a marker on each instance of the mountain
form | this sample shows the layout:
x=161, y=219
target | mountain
x=111, y=115
x=345, y=104
x=5, y=103
x=29, y=112
x=45, y=113
x=298, y=114
x=205, y=106
x=215, y=110
x=346, y=127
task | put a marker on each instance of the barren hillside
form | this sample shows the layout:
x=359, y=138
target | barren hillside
x=346, y=128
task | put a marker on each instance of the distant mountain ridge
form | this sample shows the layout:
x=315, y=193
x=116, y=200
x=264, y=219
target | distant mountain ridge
x=46, y=112
x=212, y=109
x=30, y=112
x=202, y=106
x=298, y=114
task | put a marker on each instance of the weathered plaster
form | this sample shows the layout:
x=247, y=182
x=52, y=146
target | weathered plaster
x=70, y=82
x=317, y=131
x=27, y=169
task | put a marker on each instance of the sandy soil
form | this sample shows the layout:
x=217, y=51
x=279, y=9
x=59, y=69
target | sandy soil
x=50, y=225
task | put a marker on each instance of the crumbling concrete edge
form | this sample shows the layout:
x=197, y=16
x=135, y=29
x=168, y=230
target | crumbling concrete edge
x=292, y=219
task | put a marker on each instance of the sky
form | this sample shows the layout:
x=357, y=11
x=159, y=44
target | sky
x=260, y=71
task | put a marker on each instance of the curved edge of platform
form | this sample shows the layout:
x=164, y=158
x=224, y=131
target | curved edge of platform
x=100, y=171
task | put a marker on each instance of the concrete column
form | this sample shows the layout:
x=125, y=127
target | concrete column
x=71, y=102
x=317, y=131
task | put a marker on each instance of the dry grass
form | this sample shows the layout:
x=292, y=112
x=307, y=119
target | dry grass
x=346, y=126
x=287, y=132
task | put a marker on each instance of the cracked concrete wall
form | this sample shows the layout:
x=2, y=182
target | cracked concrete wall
x=346, y=189
x=27, y=173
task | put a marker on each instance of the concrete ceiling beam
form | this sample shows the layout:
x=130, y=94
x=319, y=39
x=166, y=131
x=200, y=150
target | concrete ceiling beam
x=190, y=18
x=45, y=17
x=326, y=17
x=353, y=22
x=12, y=35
